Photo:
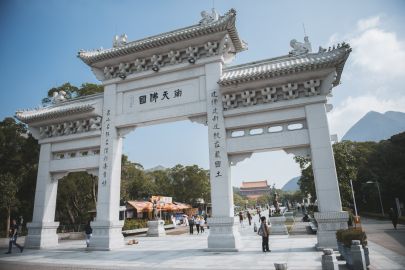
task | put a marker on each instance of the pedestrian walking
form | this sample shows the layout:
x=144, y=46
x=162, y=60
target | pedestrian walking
x=264, y=233
x=89, y=232
x=394, y=217
x=197, y=224
x=13, y=234
x=191, y=224
x=202, y=223
x=249, y=217
x=241, y=218
x=173, y=218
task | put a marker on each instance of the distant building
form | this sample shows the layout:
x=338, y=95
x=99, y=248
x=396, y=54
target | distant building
x=255, y=189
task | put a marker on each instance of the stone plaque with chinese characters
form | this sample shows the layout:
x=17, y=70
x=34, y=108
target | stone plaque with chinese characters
x=161, y=96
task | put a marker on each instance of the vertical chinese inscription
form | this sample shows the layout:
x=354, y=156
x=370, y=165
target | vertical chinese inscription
x=216, y=134
x=105, y=147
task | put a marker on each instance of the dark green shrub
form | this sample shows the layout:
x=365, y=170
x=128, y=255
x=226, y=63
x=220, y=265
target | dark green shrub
x=353, y=234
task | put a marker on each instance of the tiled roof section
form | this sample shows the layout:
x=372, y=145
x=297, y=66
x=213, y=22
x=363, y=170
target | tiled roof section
x=52, y=112
x=284, y=65
x=224, y=23
x=256, y=184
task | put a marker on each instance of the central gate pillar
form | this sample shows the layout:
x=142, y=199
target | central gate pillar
x=330, y=216
x=223, y=235
x=107, y=228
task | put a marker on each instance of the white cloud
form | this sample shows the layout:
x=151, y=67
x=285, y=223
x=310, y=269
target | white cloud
x=352, y=109
x=379, y=52
x=376, y=51
x=368, y=23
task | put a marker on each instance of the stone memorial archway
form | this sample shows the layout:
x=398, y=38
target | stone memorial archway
x=279, y=103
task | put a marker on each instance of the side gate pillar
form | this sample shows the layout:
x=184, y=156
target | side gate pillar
x=330, y=216
x=223, y=235
x=42, y=229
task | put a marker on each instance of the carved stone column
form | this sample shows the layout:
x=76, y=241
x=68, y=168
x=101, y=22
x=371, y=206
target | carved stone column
x=223, y=236
x=42, y=229
x=330, y=216
x=107, y=228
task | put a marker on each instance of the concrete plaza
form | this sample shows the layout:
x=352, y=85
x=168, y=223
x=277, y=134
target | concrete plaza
x=188, y=252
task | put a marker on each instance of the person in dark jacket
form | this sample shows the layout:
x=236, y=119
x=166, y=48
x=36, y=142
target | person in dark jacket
x=264, y=232
x=13, y=234
x=394, y=217
x=191, y=224
x=89, y=233
x=249, y=217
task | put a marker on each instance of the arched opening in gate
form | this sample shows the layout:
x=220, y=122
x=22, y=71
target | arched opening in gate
x=168, y=162
x=75, y=203
x=258, y=178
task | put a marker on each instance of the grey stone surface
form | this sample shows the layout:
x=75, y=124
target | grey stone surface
x=329, y=260
x=187, y=252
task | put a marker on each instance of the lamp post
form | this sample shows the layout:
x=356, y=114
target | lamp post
x=379, y=194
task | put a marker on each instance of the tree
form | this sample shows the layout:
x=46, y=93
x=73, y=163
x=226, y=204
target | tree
x=9, y=186
x=76, y=198
x=73, y=91
x=190, y=183
x=18, y=168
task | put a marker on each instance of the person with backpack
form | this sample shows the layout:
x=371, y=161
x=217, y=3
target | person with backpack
x=13, y=234
x=264, y=233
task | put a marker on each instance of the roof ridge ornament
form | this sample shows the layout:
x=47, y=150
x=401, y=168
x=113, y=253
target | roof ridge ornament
x=120, y=41
x=300, y=48
x=58, y=97
x=208, y=17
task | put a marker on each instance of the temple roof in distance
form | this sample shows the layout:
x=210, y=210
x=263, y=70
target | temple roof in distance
x=224, y=23
x=255, y=184
x=288, y=64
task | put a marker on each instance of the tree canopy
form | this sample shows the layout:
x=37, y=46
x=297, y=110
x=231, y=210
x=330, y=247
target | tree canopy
x=364, y=162
x=73, y=91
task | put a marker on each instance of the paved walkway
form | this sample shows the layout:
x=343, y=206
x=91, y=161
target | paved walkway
x=383, y=233
x=187, y=252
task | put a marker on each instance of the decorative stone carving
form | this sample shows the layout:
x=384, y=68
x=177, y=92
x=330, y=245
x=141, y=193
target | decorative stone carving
x=271, y=94
x=109, y=72
x=209, y=17
x=71, y=127
x=311, y=87
x=58, y=97
x=139, y=64
x=249, y=97
x=210, y=47
x=173, y=57
x=124, y=70
x=192, y=53
x=300, y=48
x=199, y=120
x=229, y=100
x=120, y=41
x=95, y=123
x=156, y=62
x=235, y=159
x=290, y=90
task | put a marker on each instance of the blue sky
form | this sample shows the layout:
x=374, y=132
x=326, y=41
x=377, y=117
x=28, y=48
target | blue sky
x=40, y=41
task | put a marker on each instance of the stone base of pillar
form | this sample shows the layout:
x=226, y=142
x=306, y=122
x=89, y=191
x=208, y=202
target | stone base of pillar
x=41, y=235
x=106, y=235
x=224, y=235
x=278, y=225
x=156, y=228
x=328, y=224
